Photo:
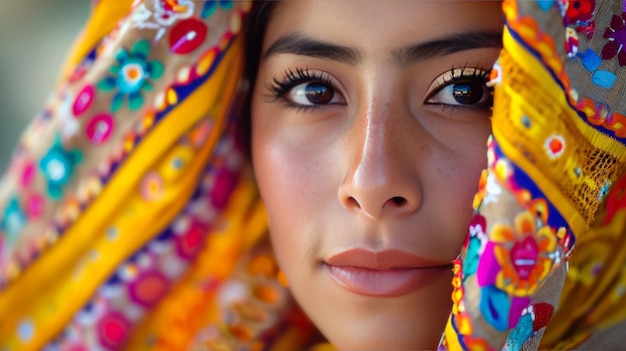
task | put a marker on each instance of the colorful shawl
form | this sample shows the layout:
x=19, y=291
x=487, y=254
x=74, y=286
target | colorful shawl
x=129, y=218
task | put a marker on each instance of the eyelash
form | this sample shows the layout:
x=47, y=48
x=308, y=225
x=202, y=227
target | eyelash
x=465, y=74
x=293, y=78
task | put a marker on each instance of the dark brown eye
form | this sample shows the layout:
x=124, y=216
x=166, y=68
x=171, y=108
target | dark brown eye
x=463, y=94
x=312, y=93
x=469, y=93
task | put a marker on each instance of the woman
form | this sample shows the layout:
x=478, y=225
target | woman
x=376, y=117
x=133, y=211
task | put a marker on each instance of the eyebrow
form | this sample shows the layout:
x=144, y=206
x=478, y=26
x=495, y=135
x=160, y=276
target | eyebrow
x=298, y=44
x=448, y=45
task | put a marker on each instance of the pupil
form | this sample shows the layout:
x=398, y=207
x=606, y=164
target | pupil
x=318, y=93
x=468, y=94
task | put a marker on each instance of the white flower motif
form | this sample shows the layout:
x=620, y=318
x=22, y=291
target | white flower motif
x=162, y=17
x=493, y=189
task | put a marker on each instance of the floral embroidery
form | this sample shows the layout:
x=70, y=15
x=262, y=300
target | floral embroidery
x=482, y=190
x=495, y=306
x=187, y=36
x=99, y=128
x=210, y=6
x=113, y=330
x=26, y=330
x=131, y=75
x=457, y=292
x=28, y=174
x=571, y=42
x=600, y=115
x=579, y=12
x=83, y=101
x=616, y=35
x=545, y=5
x=522, y=332
x=148, y=288
x=555, y=146
x=191, y=239
x=493, y=188
x=498, y=310
x=57, y=166
x=542, y=314
x=476, y=240
x=35, y=204
x=522, y=252
x=592, y=61
x=604, y=189
x=68, y=122
x=166, y=13
x=14, y=218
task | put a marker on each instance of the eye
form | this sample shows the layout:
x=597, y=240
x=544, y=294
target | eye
x=313, y=93
x=303, y=88
x=470, y=93
x=461, y=87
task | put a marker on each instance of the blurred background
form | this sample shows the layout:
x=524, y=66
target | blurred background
x=35, y=37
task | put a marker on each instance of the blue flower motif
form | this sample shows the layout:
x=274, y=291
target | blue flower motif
x=57, y=166
x=471, y=261
x=521, y=333
x=592, y=61
x=545, y=5
x=211, y=6
x=131, y=75
x=495, y=307
x=604, y=189
x=13, y=219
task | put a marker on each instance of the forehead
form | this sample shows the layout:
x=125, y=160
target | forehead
x=375, y=27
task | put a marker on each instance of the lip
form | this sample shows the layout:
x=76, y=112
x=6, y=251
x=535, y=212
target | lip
x=388, y=273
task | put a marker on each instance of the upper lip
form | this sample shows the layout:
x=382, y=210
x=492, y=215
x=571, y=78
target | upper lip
x=380, y=260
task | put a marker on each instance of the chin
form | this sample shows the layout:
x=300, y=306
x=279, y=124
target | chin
x=352, y=322
x=389, y=336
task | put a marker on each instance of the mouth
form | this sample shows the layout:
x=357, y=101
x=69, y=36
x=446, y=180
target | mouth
x=389, y=273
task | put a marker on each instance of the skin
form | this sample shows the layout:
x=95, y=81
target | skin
x=384, y=165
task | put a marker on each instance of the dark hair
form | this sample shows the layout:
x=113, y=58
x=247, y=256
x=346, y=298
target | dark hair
x=256, y=25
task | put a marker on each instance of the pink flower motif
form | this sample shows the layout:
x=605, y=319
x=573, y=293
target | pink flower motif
x=83, y=100
x=616, y=35
x=28, y=174
x=35, y=205
x=113, y=330
x=149, y=288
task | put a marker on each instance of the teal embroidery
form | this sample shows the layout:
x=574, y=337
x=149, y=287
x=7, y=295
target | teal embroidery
x=57, y=166
x=131, y=76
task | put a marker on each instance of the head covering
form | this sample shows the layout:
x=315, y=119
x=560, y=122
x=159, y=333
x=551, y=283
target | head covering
x=129, y=218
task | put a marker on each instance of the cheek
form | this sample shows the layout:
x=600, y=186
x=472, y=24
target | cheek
x=451, y=185
x=292, y=182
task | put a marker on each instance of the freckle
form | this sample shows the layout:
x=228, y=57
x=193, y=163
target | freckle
x=438, y=170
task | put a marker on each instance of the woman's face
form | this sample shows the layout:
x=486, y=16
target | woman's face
x=369, y=129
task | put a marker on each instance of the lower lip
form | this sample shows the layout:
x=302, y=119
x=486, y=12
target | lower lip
x=385, y=282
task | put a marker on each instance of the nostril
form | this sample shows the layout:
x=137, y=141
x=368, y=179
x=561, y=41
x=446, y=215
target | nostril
x=398, y=200
x=353, y=203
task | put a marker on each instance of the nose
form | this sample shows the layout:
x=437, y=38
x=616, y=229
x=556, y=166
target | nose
x=382, y=177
